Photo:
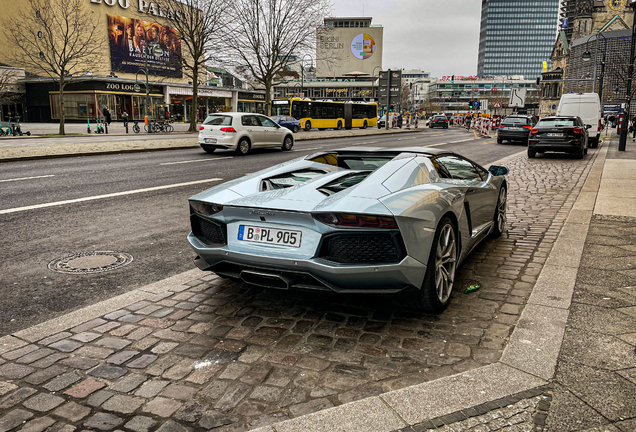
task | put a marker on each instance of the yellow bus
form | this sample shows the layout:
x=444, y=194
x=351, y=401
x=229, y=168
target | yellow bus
x=321, y=114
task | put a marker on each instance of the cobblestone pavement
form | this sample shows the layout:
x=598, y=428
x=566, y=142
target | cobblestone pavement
x=214, y=355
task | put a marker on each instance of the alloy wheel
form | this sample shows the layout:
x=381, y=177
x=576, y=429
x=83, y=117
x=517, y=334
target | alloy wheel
x=244, y=147
x=287, y=145
x=445, y=263
x=501, y=209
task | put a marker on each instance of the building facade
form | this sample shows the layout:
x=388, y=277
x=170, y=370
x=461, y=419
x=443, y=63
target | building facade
x=134, y=33
x=456, y=96
x=516, y=37
x=600, y=28
x=347, y=47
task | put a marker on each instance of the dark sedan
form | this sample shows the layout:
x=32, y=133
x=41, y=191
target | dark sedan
x=514, y=128
x=439, y=121
x=559, y=134
x=287, y=121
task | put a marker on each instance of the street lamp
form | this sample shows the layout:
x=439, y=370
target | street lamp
x=145, y=71
x=373, y=81
x=296, y=85
x=587, y=56
x=302, y=71
x=622, y=142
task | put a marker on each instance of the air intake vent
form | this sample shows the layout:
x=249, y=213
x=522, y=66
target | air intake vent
x=363, y=248
x=207, y=231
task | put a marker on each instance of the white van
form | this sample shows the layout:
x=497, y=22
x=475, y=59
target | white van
x=588, y=107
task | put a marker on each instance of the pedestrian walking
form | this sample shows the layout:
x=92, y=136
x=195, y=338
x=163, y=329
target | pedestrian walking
x=124, y=116
x=107, y=116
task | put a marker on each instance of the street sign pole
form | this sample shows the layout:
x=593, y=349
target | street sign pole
x=388, y=99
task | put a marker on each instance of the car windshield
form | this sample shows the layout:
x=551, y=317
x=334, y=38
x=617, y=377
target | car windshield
x=441, y=118
x=218, y=120
x=515, y=121
x=557, y=122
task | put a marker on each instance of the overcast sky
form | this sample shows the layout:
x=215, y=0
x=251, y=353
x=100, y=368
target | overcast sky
x=438, y=36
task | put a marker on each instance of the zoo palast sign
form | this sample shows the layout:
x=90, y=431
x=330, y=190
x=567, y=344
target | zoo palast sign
x=143, y=6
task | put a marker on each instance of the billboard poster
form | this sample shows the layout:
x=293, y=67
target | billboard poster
x=128, y=37
x=363, y=46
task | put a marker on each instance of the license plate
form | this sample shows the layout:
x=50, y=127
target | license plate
x=513, y=128
x=210, y=140
x=555, y=135
x=272, y=236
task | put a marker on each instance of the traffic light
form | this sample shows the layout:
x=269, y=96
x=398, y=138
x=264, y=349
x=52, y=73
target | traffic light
x=538, y=81
x=391, y=108
x=453, y=79
x=470, y=105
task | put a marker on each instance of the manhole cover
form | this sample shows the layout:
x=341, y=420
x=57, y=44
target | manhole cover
x=90, y=262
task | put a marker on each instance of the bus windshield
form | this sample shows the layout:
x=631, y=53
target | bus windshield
x=280, y=107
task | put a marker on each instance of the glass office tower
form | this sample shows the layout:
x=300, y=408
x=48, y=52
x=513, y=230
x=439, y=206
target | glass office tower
x=516, y=36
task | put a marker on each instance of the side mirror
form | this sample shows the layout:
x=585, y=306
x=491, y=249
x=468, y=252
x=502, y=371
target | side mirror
x=588, y=126
x=497, y=170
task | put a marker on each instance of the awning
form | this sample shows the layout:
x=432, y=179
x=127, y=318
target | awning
x=187, y=91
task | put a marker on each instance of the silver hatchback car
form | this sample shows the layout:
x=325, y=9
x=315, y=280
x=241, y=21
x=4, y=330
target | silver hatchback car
x=242, y=132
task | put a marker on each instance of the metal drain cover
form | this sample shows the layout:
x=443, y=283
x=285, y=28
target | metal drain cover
x=90, y=262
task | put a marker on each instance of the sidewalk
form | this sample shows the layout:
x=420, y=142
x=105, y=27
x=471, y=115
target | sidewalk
x=25, y=149
x=524, y=353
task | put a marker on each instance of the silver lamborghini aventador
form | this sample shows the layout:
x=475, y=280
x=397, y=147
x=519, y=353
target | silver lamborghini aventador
x=358, y=220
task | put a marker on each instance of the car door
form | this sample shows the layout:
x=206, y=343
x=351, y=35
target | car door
x=481, y=194
x=254, y=130
x=274, y=134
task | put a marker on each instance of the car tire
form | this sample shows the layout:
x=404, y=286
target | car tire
x=364, y=125
x=532, y=153
x=243, y=147
x=499, y=141
x=339, y=126
x=307, y=125
x=288, y=143
x=209, y=149
x=500, y=212
x=579, y=154
x=296, y=129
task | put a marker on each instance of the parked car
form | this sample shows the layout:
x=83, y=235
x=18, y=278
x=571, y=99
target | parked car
x=287, y=121
x=394, y=221
x=438, y=121
x=587, y=106
x=515, y=128
x=382, y=122
x=242, y=132
x=559, y=134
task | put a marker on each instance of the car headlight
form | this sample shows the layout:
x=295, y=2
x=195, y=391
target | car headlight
x=205, y=209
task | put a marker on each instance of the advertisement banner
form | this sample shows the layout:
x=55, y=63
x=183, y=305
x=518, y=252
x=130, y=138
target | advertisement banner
x=129, y=37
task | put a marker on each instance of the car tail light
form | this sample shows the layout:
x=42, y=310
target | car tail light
x=600, y=126
x=201, y=128
x=228, y=129
x=534, y=131
x=356, y=221
x=577, y=131
x=445, y=121
x=527, y=127
x=205, y=209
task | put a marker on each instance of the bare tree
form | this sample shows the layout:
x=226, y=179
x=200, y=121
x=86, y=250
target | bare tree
x=9, y=88
x=199, y=23
x=405, y=97
x=265, y=34
x=59, y=39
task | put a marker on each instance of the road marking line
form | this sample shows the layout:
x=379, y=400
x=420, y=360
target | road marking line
x=464, y=140
x=475, y=134
x=367, y=142
x=305, y=149
x=27, y=178
x=196, y=160
x=404, y=139
x=435, y=145
x=97, y=197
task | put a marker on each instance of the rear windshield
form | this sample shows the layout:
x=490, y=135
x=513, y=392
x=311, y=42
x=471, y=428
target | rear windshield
x=343, y=183
x=361, y=163
x=557, y=122
x=218, y=120
x=516, y=121
x=441, y=118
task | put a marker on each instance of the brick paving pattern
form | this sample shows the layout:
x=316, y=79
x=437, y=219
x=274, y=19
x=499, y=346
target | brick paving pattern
x=215, y=355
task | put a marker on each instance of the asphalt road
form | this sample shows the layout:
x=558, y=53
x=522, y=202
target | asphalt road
x=39, y=224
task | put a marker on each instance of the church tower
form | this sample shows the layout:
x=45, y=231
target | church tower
x=583, y=22
x=611, y=15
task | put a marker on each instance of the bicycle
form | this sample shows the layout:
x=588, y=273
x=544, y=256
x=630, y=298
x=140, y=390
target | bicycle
x=136, y=127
